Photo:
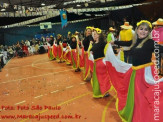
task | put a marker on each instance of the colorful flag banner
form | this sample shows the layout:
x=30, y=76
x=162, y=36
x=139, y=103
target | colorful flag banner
x=63, y=15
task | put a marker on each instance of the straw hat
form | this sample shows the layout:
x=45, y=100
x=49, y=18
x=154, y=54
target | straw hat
x=76, y=32
x=111, y=29
x=158, y=22
x=73, y=36
x=126, y=26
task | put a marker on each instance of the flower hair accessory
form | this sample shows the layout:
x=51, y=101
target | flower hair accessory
x=98, y=30
x=89, y=27
x=144, y=21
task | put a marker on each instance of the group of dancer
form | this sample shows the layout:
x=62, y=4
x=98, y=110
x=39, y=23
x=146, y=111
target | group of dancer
x=131, y=73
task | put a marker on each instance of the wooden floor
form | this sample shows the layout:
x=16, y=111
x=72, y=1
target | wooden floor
x=29, y=85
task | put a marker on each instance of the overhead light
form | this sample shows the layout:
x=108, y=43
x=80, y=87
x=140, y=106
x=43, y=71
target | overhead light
x=43, y=4
x=86, y=4
x=80, y=13
x=5, y=5
x=3, y=9
x=110, y=0
x=102, y=1
x=88, y=14
x=78, y=5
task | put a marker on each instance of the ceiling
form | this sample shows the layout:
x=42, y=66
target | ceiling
x=59, y=4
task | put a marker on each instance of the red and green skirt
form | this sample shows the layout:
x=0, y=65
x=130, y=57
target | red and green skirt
x=100, y=79
x=74, y=58
x=138, y=94
x=67, y=57
x=81, y=58
x=88, y=66
x=55, y=50
x=135, y=95
x=50, y=53
x=59, y=52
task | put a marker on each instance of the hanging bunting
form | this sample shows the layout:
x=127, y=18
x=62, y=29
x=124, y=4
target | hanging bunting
x=47, y=10
x=48, y=13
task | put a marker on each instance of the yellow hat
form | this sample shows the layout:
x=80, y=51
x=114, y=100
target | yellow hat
x=126, y=26
x=51, y=36
x=111, y=29
x=69, y=32
x=76, y=32
x=158, y=22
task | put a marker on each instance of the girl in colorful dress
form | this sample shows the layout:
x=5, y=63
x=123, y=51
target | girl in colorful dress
x=80, y=51
x=100, y=78
x=137, y=85
x=67, y=55
x=64, y=47
x=69, y=37
x=59, y=48
x=142, y=46
x=50, y=49
x=74, y=54
x=88, y=38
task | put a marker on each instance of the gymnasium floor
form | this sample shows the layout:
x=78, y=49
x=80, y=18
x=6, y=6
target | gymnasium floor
x=30, y=85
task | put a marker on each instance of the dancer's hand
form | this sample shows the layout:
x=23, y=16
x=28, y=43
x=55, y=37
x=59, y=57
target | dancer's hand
x=91, y=42
x=112, y=42
x=118, y=50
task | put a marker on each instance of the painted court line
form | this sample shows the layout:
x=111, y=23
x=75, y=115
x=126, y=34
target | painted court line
x=26, y=65
x=105, y=109
x=36, y=76
x=54, y=91
x=34, y=65
x=83, y=83
x=66, y=88
x=69, y=87
x=20, y=102
x=47, y=68
x=38, y=96
x=38, y=60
